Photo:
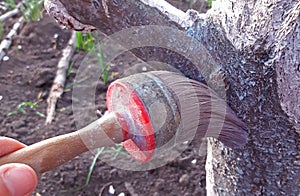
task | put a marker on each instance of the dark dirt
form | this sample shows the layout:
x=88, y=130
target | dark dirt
x=28, y=76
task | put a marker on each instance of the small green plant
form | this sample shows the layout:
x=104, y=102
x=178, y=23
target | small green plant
x=85, y=42
x=91, y=169
x=115, y=151
x=103, y=68
x=201, y=6
x=11, y=3
x=20, y=109
x=210, y=3
x=1, y=30
x=70, y=70
x=31, y=9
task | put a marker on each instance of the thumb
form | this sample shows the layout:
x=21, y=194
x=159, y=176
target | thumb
x=17, y=179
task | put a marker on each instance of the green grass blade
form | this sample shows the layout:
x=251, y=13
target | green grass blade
x=31, y=9
x=12, y=113
x=1, y=30
x=21, y=109
x=40, y=114
x=78, y=40
x=91, y=169
x=69, y=71
x=11, y=3
x=100, y=150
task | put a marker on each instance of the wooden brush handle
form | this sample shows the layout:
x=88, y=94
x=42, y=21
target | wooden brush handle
x=48, y=154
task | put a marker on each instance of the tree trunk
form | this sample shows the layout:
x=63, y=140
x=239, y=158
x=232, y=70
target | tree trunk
x=255, y=44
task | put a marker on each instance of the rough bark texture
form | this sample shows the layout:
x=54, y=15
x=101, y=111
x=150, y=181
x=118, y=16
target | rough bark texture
x=256, y=44
x=264, y=88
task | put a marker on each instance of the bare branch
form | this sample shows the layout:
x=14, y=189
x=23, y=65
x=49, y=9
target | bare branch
x=60, y=79
x=9, y=14
x=6, y=42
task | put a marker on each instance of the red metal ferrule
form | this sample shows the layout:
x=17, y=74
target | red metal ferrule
x=139, y=137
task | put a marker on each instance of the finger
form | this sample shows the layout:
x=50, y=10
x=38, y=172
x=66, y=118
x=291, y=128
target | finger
x=17, y=179
x=9, y=145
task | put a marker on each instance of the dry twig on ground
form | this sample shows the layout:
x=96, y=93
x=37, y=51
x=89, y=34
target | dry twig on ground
x=130, y=189
x=9, y=14
x=6, y=42
x=60, y=79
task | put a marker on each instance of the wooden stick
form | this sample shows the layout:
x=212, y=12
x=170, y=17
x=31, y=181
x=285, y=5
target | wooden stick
x=48, y=154
x=130, y=189
x=6, y=42
x=60, y=79
x=9, y=14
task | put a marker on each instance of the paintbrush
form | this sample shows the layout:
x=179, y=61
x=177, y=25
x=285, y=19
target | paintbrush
x=147, y=111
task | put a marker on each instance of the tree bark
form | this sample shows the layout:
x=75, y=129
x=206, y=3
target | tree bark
x=256, y=45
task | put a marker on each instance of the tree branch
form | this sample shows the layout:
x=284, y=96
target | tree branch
x=6, y=42
x=60, y=78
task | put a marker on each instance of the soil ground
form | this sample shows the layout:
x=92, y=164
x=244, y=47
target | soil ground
x=28, y=76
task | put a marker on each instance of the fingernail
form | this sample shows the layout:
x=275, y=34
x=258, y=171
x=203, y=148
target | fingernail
x=20, y=180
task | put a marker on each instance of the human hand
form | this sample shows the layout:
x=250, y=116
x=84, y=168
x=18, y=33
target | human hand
x=15, y=179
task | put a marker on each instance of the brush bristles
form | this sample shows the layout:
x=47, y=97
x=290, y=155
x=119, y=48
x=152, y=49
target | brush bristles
x=202, y=110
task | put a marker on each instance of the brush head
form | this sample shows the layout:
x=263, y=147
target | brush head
x=158, y=109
